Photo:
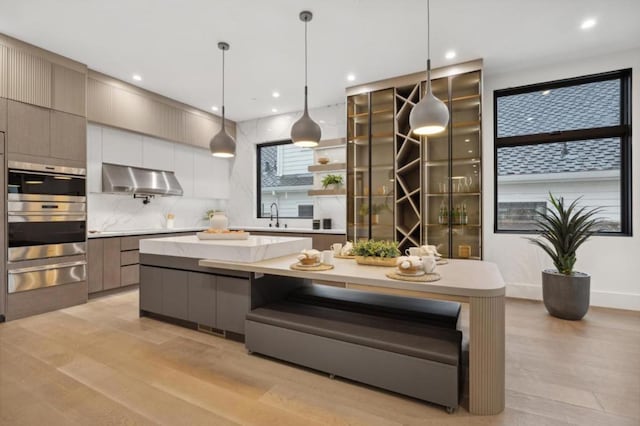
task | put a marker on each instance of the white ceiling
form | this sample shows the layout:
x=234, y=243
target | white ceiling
x=172, y=43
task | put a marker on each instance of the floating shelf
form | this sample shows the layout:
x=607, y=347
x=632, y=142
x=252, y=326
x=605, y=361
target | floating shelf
x=446, y=194
x=331, y=167
x=332, y=143
x=326, y=192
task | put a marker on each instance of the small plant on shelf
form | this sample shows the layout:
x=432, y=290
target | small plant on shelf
x=373, y=248
x=335, y=180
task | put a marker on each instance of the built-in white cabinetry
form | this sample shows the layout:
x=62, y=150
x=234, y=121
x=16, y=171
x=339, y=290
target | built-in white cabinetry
x=157, y=154
x=200, y=174
x=211, y=176
x=184, y=168
x=121, y=147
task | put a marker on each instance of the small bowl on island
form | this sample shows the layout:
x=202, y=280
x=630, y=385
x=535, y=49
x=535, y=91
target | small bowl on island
x=309, y=257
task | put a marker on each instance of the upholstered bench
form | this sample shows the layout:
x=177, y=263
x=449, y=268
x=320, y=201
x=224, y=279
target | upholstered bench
x=408, y=357
x=434, y=312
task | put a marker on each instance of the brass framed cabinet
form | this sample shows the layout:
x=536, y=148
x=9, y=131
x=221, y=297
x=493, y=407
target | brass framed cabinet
x=412, y=189
x=452, y=171
x=370, y=174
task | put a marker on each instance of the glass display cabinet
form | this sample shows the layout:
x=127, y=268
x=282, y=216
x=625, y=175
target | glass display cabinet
x=370, y=160
x=453, y=200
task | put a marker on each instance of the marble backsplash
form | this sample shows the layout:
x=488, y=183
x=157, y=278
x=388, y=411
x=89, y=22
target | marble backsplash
x=113, y=212
x=242, y=203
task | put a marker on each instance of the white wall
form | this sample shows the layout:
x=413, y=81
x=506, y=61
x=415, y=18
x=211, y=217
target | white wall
x=613, y=262
x=204, y=180
x=242, y=205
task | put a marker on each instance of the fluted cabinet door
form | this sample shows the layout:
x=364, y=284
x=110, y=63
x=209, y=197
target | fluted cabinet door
x=28, y=78
x=3, y=71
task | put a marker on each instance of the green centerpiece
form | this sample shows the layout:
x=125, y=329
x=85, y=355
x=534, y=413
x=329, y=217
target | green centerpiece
x=377, y=253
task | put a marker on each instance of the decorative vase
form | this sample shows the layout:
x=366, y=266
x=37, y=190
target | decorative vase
x=566, y=296
x=218, y=220
x=375, y=219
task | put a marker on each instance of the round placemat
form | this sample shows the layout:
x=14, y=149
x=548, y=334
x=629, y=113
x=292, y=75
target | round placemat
x=320, y=267
x=426, y=278
x=343, y=257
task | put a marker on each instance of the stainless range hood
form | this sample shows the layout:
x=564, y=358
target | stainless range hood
x=137, y=181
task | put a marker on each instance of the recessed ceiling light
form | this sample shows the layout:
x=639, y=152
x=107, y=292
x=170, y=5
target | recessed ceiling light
x=546, y=92
x=137, y=77
x=470, y=151
x=276, y=94
x=214, y=108
x=274, y=109
x=351, y=77
x=588, y=23
x=450, y=54
x=467, y=140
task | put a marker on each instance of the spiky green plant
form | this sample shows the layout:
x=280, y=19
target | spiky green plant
x=372, y=248
x=563, y=230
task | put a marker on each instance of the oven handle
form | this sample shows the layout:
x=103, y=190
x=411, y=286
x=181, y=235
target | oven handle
x=15, y=217
x=46, y=267
x=62, y=176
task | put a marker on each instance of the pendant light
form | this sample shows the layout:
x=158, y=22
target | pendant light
x=222, y=144
x=305, y=132
x=430, y=115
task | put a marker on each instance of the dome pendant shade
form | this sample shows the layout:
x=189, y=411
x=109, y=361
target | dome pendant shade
x=305, y=132
x=222, y=144
x=429, y=116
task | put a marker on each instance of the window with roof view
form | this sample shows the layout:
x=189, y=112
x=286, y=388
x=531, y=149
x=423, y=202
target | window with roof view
x=284, y=179
x=569, y=137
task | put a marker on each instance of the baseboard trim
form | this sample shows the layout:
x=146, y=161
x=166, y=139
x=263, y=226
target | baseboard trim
x=605, y=299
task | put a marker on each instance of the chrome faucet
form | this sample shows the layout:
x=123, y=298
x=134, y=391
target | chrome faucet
x=277, y=215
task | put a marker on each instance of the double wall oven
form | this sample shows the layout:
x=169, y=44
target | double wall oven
x=46, y=232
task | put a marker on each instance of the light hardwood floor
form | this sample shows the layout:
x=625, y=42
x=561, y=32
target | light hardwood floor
x=100, y=364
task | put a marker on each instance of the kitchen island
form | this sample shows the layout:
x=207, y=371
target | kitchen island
x=231, y=289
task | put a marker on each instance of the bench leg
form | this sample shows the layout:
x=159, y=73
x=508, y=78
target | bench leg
x=450, y=410
x=332, y=376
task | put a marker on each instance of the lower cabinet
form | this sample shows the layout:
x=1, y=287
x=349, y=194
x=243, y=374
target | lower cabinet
x=215, y=301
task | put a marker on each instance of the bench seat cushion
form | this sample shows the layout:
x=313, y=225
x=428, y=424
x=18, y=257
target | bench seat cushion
x=436, y=312
x=392, y=335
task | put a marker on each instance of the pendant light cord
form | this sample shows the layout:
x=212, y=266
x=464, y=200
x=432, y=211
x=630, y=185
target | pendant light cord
x=223, y=88
x=305, y=65
x=428, y=47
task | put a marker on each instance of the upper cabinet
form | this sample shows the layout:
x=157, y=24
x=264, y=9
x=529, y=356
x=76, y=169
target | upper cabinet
x=157, y=154
x=69, y=91
x=35, y=76
x=121, y=147
x=47, y=136
x=118, y=104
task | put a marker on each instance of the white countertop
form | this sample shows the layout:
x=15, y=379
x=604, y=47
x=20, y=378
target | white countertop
x=293, y=230
x=131, y=232
x=466, y=278
x=253, y=249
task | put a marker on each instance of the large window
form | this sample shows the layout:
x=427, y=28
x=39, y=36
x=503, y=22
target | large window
x=284, y=179
x=571, y=138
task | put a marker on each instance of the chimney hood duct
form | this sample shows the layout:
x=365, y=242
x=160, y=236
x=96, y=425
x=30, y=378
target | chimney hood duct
x=117, y=179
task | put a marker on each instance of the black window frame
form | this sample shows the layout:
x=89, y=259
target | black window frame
x=259, y=177
x=622, y=131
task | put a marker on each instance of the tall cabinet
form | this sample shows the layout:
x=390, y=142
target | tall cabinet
x=370, y=174
x=416, y=190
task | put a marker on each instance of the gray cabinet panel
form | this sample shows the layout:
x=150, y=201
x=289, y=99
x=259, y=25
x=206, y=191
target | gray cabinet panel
x=95, y=265
x=151, y=289
x=130, y=243
x=202, y=299
x=129, y=275
x=28, y=129
x=3, y=115
x=68, y=136
x=232, y=304
x=111, y=262
x=130, y=257
x=69, y=90
x=175, y=294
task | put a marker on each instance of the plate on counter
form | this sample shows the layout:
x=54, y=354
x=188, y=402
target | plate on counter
x=225, y=235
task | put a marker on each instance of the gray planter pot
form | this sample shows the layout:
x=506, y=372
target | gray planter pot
x=566, y=296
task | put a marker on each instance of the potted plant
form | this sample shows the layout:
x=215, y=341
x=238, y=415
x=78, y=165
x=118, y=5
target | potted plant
x=332, y=181
x=563, y=230
x=377, y=253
